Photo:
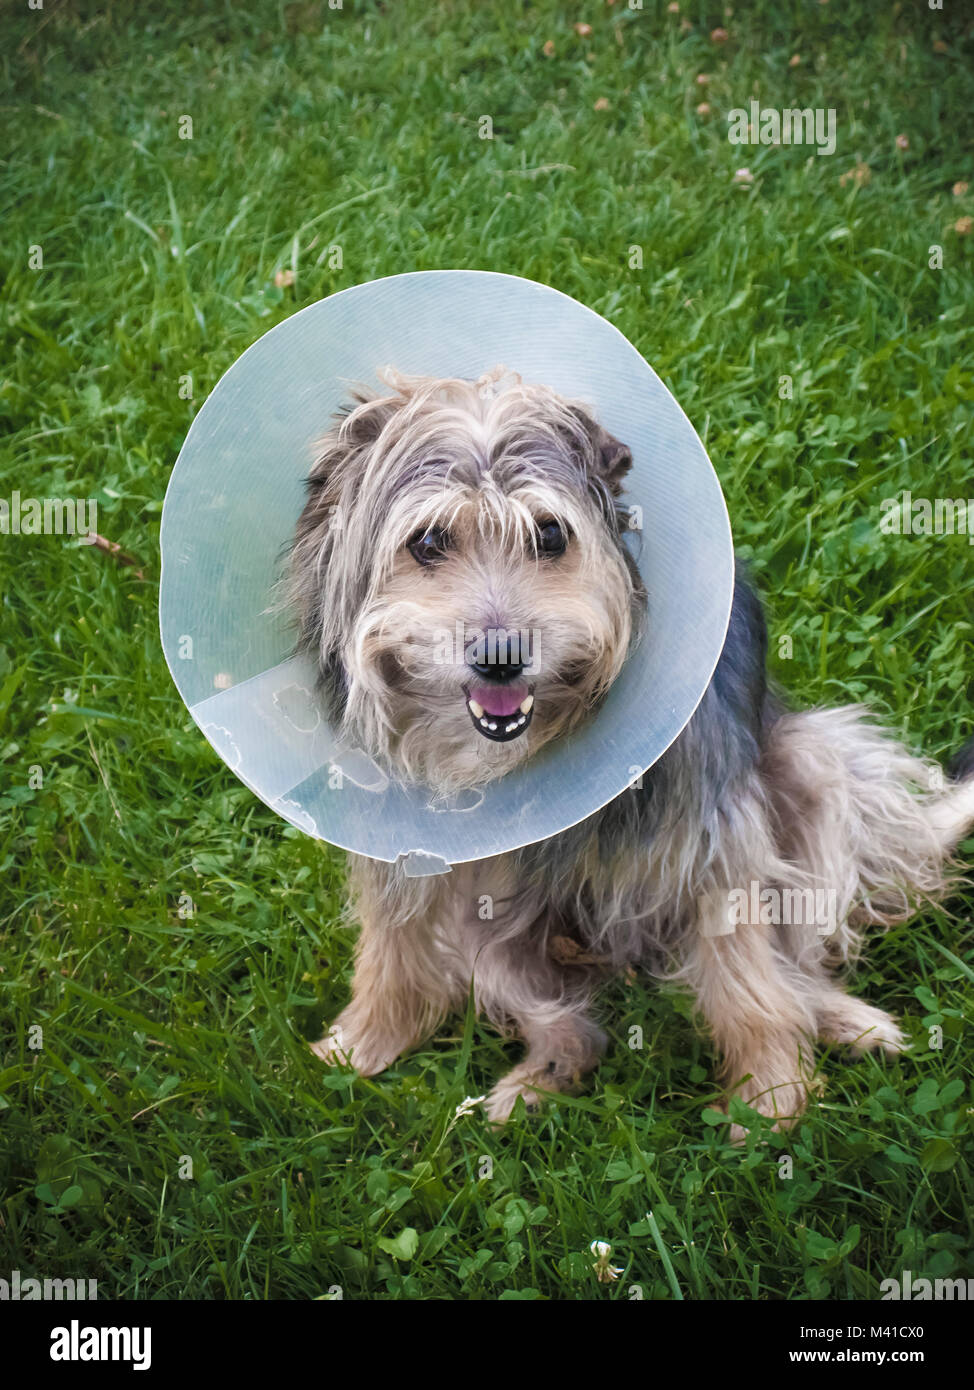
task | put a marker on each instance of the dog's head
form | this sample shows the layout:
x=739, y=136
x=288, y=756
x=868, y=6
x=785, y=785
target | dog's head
x=459, y=575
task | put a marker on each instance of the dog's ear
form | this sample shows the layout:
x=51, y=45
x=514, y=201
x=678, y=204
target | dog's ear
x=337, y=469
x=357, y=425
x=611, y=459
x=614, y=460
x=318, y=595
x=362, y=421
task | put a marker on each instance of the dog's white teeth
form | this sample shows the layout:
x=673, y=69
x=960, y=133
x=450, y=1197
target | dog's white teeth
x=492, y=722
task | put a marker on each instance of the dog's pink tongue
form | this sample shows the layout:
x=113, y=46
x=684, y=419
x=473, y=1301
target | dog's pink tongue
x=499, y=699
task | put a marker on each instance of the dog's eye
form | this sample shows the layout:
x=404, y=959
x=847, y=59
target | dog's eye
x=552, y=539
x=428, y=546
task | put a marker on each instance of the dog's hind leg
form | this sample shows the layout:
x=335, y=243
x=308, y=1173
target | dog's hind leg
x=841, y=1018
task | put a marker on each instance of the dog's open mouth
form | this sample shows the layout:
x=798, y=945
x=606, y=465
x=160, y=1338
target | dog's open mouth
x=500, y=712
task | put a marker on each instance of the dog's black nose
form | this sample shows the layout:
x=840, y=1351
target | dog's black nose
x=497, y=670
x=502, y=664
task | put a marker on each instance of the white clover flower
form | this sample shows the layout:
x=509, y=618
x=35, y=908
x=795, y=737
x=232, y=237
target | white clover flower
x=604, y=1272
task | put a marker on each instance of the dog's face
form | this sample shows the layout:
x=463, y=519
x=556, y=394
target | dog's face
x=459, y=574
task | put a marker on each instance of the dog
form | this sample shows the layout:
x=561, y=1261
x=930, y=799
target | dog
x=497, y=505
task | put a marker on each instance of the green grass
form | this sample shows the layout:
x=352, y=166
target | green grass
x=167, y=1036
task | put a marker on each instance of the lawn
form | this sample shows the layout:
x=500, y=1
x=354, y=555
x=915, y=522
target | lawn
x=178, y=179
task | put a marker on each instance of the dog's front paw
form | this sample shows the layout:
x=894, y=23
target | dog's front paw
x=330, y=1048
x=346, y=1044
x=525, y=1082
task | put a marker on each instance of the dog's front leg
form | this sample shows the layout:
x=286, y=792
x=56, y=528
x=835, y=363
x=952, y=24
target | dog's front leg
x=562, y=1047
x=515, y=980
x=402, y=987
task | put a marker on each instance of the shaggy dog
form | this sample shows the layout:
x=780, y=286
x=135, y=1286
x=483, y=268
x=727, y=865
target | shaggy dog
x=496, y=505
